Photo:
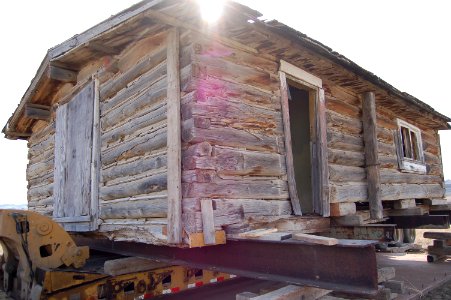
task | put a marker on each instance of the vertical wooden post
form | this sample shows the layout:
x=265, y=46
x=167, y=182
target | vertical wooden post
x=95, y=160
x=323, y=164
x=371, y=155
x=174, y=141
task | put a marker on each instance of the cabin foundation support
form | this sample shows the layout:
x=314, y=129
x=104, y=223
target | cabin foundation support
x=290, y=260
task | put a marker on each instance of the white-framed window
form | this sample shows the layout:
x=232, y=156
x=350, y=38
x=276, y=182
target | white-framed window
x=410, y=148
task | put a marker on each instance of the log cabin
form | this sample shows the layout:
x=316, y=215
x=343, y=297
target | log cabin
x=156, y=127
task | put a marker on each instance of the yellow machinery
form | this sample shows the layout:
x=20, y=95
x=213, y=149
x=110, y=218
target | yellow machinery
x=41, y=261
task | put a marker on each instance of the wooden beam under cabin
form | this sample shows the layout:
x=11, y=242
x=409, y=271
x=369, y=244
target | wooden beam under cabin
x=37, y=112
x=174, y=140
x=371, y=155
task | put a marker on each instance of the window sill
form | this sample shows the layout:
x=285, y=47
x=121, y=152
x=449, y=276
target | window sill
x=408, y=166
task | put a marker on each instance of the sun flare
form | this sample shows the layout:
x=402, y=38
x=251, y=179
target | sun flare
x=211, y=10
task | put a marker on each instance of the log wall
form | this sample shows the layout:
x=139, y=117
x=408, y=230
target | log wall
x=40, y=168
x=347, y=158
x=232, y=132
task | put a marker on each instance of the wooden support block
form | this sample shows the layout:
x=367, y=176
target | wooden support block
x=351, y=220
x=395, y=286
x=37, y=112
x=245, y=296
x=292, y=292
x=208, y=222
x=404, y=203
x=386, y=273
x=197, y=239
x=435, y=201
x=130, y=265
x=416, y=211
x=273, y=236
x=437, y=235
x=62, y=74
x=342, y=209
x=257, y=232
x=315, y=239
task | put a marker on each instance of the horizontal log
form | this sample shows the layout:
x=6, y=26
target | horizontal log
x=39, y=169
x=37, y=113
x=340, y=173
x=40, y=202
x=45, y=178
x=150, y=96
x=347, y=158
x=344, y=124
x=230, y=137
x=146, y=233
x=348, y=193
x=212, y=87
x=224, y=216
x=201, y=149
x=411, y=191
x=139, y=186
x=387, y=149
x=208, y=48
x=395, y=176
x=153, y=59
x=62, y=74
x=134, y=167
x=157, y=73
x=357, y=193
x=42, y=134
x=250, y=207
x=228, y=71
x=143, y=208
x=40, y=191
x=153, y=116
x=137, y=146
x=343, y=108
x=35, y=149
x=228, y=161
x=235, y=114
x=245, y=188
x=43, y=156
x=198, y=175
x=343, y=141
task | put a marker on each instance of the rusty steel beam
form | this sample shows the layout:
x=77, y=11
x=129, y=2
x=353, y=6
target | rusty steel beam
x=420, y=221
x=350, y=266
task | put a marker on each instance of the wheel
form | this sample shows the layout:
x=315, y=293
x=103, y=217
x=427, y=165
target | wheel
x=410, y=235
x=431, y=258
x=398, y=236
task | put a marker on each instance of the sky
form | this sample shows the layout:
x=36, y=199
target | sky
x=405, y=42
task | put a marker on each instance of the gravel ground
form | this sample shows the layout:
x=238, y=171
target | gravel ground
x=441, y=293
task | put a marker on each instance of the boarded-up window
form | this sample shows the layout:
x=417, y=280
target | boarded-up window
x=73, y=176
x=409, y=148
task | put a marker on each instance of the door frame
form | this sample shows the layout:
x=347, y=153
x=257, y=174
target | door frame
x=320, y=169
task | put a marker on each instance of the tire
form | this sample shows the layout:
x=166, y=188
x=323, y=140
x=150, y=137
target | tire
x=409, y=235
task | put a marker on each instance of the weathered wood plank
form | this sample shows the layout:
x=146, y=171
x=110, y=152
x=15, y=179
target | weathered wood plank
x=322, y=203
x=346, y=158
x=174, y=140
x=227, y=161
x=293, y=193
x=342, y=209
x=230, y=137
x=142, y=208
x=60, y=161
x=135, y=186
x=137, y=166
x=395, y=176
x=411, y=191
x=341, y=173
x=245, y=188
x=134, y=147
x=315, y=239
x=208, y=223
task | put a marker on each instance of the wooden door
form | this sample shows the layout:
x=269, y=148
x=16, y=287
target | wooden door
x=73, y=176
